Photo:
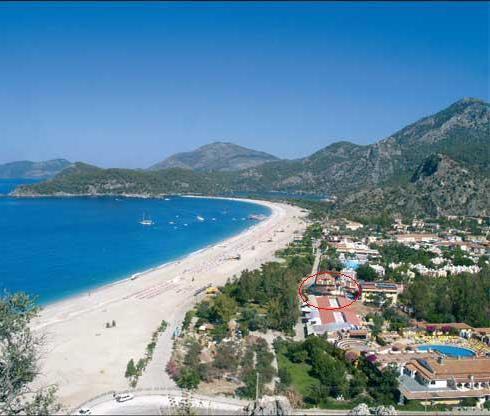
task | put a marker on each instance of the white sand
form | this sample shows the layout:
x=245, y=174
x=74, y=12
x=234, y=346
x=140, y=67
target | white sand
x=86, y=359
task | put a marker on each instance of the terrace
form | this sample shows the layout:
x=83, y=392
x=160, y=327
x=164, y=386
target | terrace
x=441, y=378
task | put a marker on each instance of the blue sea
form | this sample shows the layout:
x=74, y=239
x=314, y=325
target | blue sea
x=57, y=247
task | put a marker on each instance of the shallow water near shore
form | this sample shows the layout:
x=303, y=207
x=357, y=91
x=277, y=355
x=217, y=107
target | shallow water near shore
x=58, y=247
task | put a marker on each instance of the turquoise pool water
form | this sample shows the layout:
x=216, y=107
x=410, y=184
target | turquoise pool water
x=449, y=350
x=351, y=264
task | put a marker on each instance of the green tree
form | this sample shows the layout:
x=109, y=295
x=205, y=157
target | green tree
x=330, y=372
x=357, y=385
x=331, y=263
x=189, y=378
x=460, y=298
x=140, y=366
x=187, y=319
x=367, y=273
x=19, y=356
x=382, y=385
x=130, y=369
x=224, y=308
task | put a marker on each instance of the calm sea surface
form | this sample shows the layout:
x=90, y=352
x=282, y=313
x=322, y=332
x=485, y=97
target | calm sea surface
x=57, y=247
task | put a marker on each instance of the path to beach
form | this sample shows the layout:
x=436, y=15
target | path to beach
x=85, y=358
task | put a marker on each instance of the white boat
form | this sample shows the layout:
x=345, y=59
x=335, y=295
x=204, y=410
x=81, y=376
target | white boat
x=199, y=218
x=256, y=217
x=146, y=221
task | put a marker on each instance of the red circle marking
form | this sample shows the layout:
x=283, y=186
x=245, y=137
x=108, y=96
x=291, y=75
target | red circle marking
x=331, y=273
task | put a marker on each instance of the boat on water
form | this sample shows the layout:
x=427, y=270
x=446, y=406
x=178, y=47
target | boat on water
x=257, y=217
x=199, y=218
x=146, y=221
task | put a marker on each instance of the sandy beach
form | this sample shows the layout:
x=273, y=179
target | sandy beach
x=85, y=359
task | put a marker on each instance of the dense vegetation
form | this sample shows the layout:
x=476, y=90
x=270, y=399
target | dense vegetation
x=256, y=300
x=19, y=355
x=265, y=298
x=401, y=253
x=82, y=179
x=321, y=373
x=461, y=298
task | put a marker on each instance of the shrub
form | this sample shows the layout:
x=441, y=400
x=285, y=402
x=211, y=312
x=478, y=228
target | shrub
x=173, y=369
x=189, y=379
x=430, y=329
x=285, y=376
x=372, y=358
x=140, y=366
x=130, y=369
x=469, y=401
x=227, y=357
x=446, y=329
x=187, y=319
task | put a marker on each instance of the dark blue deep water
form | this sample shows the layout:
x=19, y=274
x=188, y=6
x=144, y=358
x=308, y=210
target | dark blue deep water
x=57, y=247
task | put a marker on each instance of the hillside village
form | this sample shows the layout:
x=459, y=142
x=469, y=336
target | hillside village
x=386, y=348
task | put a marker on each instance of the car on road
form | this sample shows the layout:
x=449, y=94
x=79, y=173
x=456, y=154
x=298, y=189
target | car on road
x=123, y=397
x=84, y=411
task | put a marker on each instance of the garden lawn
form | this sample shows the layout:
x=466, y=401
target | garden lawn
x=301, y=380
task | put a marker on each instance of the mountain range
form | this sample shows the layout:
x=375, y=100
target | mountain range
x=33, y=170
x=217, y=156
x=437, y=165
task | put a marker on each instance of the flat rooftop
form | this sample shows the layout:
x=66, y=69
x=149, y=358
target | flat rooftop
x=336, y=316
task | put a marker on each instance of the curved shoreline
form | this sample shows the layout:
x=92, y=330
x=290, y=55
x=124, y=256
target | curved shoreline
x=181, y=258
x=85, y=358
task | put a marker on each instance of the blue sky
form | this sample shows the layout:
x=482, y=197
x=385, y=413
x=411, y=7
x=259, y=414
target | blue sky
x=126, y=84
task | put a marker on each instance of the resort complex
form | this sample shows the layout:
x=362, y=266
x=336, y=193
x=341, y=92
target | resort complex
x=356, y=304
x=446, y=379
x=327, y=316
x=266, y=208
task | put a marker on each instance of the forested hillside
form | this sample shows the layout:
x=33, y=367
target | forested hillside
x=437, y=165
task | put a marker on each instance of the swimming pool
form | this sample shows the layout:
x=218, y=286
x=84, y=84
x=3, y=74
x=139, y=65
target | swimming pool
x=449, y=350
x=351, y=264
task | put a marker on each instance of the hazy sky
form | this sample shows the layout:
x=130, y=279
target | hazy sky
x=129, y=84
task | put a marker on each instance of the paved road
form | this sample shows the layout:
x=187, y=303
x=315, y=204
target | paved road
x=317, y=251
x=163, y=402
x=166, y=402
x=155, y=374
x=299, y=328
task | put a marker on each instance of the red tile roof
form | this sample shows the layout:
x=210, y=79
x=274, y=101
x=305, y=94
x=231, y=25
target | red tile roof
x=327, y=316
